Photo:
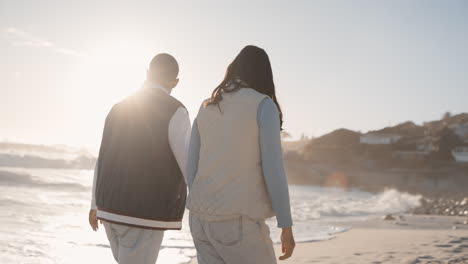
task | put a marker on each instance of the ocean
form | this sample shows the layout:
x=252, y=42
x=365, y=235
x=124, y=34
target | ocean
x=44, y=217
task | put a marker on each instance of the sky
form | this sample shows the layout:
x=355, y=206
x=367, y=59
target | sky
x=361, y=65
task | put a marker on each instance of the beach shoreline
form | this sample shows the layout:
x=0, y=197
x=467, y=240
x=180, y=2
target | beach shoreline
x=407, y=239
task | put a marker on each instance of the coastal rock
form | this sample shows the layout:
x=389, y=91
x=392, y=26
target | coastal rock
x=450, y=204
x=389, y=217
x=464, y=202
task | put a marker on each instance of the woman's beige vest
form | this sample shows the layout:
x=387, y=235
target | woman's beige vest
x=229, y=180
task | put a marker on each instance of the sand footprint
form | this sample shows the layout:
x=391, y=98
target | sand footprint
x=443, y=245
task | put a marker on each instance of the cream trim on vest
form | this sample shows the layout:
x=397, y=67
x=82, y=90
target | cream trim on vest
x=139, y=222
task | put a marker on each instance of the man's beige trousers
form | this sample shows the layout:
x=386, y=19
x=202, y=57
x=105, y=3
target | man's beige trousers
x=131, y=245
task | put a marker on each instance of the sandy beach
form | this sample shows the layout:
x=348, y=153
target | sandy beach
x=409, y=239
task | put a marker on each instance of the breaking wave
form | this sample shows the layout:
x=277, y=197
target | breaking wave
x=8, y=178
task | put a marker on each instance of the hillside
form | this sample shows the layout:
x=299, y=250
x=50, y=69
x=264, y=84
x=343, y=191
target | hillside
x=414, y=162
x=340, y=138
x=448, y=120
x=408, y=128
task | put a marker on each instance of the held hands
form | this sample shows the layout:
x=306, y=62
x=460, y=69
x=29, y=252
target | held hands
x=287, y=243
x=93, y=221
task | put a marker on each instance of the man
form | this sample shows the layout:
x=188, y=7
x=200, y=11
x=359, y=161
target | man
x=139, y=188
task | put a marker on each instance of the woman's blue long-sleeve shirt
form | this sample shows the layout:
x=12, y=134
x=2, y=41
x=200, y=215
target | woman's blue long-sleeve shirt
x=271, y=155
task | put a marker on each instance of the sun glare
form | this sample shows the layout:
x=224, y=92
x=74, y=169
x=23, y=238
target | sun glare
x=120, y=71
x=104, y=77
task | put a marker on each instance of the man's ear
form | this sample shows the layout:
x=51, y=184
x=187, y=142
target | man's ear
x=176, y=81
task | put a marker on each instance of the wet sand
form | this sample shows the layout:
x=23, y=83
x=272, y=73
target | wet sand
x=408, y=239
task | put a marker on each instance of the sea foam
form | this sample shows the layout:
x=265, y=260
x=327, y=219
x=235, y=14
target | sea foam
x=44, y=217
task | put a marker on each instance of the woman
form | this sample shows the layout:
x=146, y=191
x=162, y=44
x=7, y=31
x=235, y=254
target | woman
x=235, y=170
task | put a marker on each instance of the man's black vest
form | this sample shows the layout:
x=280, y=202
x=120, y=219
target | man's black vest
x=138, y=175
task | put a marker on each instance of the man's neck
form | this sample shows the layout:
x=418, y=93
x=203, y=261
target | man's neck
x=155, y=85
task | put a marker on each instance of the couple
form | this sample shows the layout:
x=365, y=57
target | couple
x=231, y=162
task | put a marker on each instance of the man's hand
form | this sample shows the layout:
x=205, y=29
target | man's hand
x=93, y=221
x=287, y=243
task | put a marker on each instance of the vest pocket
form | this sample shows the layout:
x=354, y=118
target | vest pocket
x=196, y=229
x=264, y=230
x=228, y=232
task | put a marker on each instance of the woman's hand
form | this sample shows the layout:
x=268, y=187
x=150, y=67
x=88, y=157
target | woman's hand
x=93, y=221
x=287, y=243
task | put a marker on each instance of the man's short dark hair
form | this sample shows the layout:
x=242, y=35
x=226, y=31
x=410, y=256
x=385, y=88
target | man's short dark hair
x=163, y=67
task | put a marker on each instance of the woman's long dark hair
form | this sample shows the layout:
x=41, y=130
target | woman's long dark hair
x=252, y=66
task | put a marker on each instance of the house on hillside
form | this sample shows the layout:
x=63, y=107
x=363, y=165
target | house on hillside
x=412, y=148
x=379, y=139
x=461, y=130
x=391, y=135
x=460, y=154
x=457, y=123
